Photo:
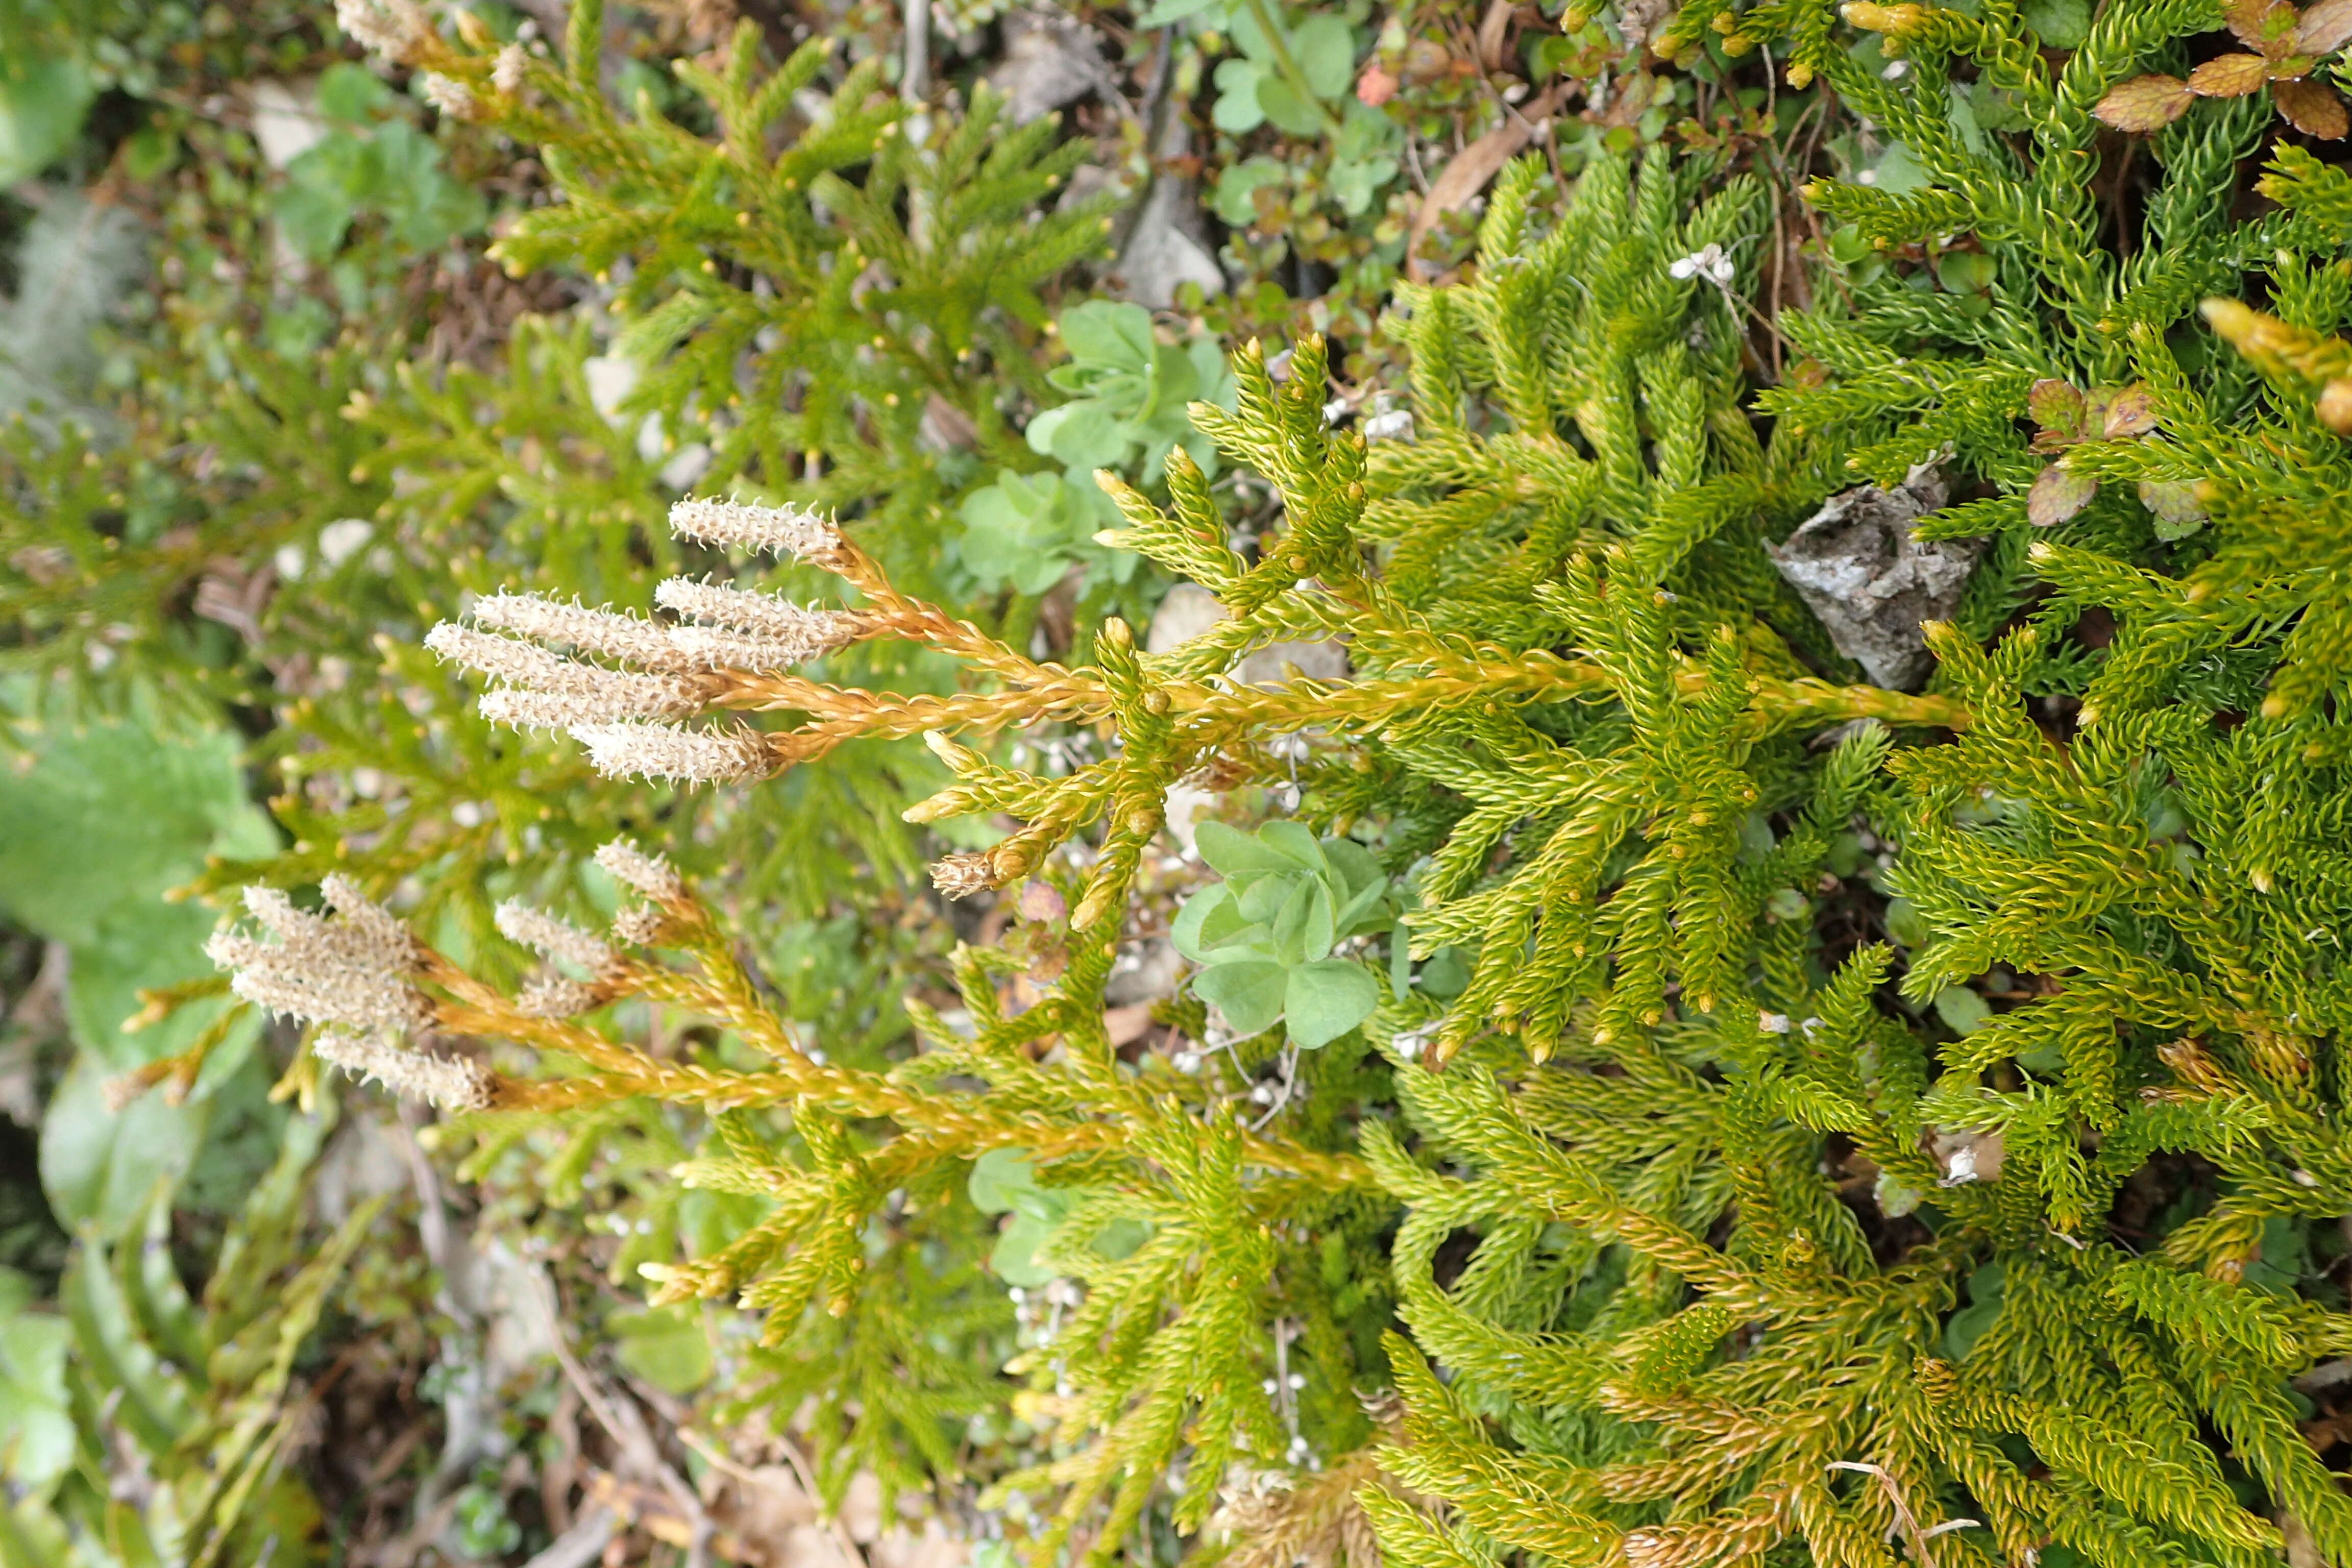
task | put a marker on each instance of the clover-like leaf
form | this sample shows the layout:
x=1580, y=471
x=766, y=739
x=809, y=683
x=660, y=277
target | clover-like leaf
x=2058, y=495
x=1108, y=336
x=1249, y=992
x=1325, y=1000
x=2145, y=104
x=1235, y=854
x=1237, y=189
x=1326, y=51
x=1191, y=931
x=1298, y=843
x=1238, y=111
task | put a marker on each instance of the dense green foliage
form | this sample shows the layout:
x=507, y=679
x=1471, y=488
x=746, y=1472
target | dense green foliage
x=1679, y=1065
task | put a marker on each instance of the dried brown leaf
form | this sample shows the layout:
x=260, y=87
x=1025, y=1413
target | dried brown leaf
x=2325, y=28
x=2131, y=412
x=2261, y=24
x=2230, y=76
x=2056, y=406
x=2058, y=495
x=2310, y=108
x=2145, y=104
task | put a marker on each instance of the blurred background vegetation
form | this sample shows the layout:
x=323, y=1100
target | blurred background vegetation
x=297, y=355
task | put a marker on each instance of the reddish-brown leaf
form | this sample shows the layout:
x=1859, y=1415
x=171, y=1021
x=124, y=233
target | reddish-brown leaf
x=2058, y=495
x=2145, y=104
x=2261, y=24
x=2325, y=28
x=2131, y=413
x=2312, y=109
x=2057, y=408
x=2230, y=76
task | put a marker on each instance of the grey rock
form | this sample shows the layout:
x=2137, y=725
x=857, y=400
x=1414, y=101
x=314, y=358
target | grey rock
x=1856, y=565
x=1160, y=256
x=1313, y=660
x=1050, y=61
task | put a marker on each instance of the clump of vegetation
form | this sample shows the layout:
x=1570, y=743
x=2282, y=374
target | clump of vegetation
x=1698, y=928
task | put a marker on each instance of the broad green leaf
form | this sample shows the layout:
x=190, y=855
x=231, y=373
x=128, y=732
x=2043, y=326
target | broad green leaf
x=1104, y=334
x=1290, y=921
x=1287, y=109
x=1905, y=924
x=1017, y=529
x=1325, y=1000
x=1238, y=111
x=43, y=102
x=996, y=1175
x=1326, y=51
x=149, y=946
x=1322, y=928
x=1085, y=435
x=665, y=1346
x=1263, y=898
x=37, y=1426
x=1250, y=38
x=1355, y=181
x=2059, y=24
x=98, y=1165
x=1238, y=186
x=112, y=815
x=1963, y=1009
x=1249, y=993
x=324, y=188
x=1968, y=1324
x=352, y=95
x=1444, y=975
x=1899, y=169
x=423, y=206
x=1367, y=909
x=1237, y=855
x=1296, y=841
x=33, y=1536
x=1121, y=1237
x=1014, y=1257
x=1189, y=932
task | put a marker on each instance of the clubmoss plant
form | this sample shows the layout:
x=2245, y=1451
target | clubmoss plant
x=1874, y=1123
